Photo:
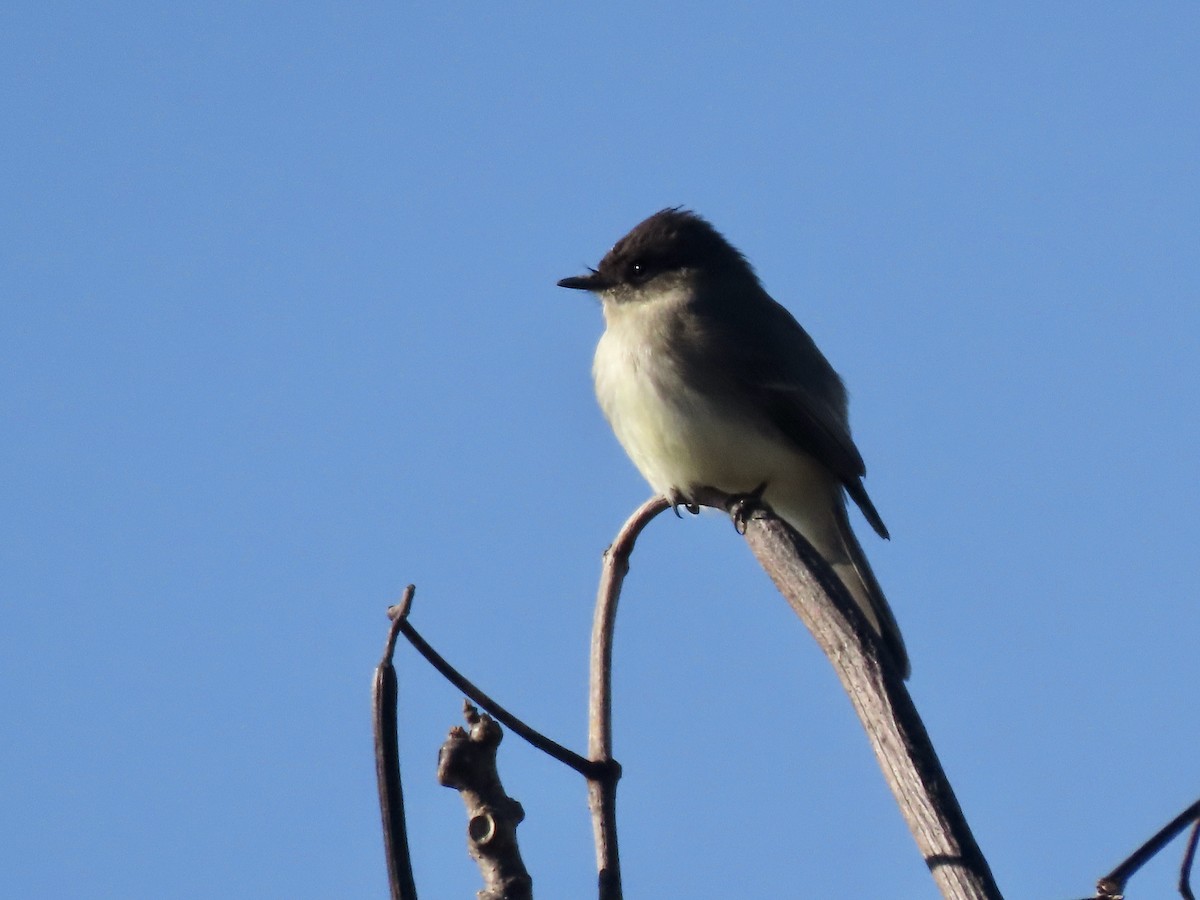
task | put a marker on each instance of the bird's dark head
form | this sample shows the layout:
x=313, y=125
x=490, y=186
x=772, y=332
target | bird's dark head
x=672, y=244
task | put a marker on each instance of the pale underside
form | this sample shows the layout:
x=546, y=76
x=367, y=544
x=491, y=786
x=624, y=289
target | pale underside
x=680, y=439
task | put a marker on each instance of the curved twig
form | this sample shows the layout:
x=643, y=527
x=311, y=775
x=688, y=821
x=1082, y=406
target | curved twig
x=1189, y=857
x=602, y=785
x=384, y=692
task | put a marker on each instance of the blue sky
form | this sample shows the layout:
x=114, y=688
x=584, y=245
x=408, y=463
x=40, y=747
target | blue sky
x=280, y=335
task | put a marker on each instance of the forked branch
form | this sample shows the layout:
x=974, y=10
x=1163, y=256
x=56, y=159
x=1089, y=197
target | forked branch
x=868, y=674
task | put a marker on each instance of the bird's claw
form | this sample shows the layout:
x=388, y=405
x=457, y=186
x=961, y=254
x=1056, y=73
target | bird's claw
x=742, y=505
x=676, y=499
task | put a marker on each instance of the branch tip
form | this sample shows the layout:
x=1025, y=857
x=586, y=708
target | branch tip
x=398, y=615
x=401, y=609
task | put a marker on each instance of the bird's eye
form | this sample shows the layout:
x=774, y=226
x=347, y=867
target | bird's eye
x=638, y=270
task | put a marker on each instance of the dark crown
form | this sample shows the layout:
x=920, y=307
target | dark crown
x=669, y=240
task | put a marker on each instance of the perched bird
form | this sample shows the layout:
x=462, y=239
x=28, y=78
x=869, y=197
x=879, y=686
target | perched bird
x=708, y=382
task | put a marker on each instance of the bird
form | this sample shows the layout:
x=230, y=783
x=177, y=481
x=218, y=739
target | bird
x=707, y=381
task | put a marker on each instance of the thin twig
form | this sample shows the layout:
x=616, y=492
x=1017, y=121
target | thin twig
x=384, y=694
x=499, y=713
x=876, y=689
x=602, y=785
x=1113, y=884
x=1189, y=858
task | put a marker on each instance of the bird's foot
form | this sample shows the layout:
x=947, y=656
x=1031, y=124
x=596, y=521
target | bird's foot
x=741, y=506
x=676, y=498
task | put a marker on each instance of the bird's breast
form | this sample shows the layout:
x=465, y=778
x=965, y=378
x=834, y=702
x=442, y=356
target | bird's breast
x=678, y=435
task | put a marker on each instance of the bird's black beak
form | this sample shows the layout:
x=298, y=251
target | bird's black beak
x=593, y=281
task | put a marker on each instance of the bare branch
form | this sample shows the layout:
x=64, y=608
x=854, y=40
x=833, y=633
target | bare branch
x=467, y=763
x=602, y=785
x=1113, y=884
x=877, y=691
x=499, y=713
x=384, y=694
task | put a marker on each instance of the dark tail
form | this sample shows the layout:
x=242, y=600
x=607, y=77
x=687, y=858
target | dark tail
x=871, y=593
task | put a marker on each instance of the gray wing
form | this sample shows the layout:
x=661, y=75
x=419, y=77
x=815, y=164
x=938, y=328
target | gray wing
x=765, y=358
